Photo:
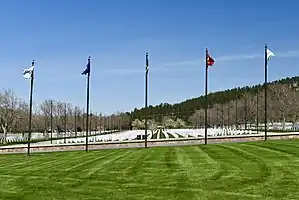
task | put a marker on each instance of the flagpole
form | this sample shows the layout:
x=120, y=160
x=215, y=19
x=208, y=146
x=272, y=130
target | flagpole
x=87, y=108
x=30, y=109
x=265, y=90
x=51, y=113
x=75, y=121
x=146, y=99
x=257, y=111
x=206, y=100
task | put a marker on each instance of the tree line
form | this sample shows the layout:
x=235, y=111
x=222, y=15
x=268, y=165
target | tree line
x=240, y=105
x=58, y=115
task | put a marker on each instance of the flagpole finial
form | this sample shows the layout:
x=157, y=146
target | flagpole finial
x=33, y=62
x=206, y=49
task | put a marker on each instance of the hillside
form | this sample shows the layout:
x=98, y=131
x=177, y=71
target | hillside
x=233, y=106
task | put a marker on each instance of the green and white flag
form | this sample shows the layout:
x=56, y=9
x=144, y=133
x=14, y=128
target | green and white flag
x=27, y=73
x=269, y=54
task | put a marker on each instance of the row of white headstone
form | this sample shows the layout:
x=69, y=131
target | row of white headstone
x=176, y=133
x=212, y=132
x=19, y=137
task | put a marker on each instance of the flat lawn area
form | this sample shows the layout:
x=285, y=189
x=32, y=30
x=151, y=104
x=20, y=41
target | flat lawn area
x=243, y=171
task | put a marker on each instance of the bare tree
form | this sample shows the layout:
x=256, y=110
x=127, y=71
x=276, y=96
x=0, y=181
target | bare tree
x=21, y=121
x=282, y=100
x=197, y=118
x=45, y=112
x=9, y=104
x=125, y=121
x=70, y=121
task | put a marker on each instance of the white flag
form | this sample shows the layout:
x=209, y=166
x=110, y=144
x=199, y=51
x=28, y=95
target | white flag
x=27, y=72
x=269, y=54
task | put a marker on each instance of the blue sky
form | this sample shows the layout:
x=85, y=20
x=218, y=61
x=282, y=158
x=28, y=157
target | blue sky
x=60, y=35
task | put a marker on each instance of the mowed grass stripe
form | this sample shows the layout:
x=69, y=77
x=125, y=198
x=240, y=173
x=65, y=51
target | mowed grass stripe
x=237, y=173
x=62, y=159
x=21, y=161
x=260, y=168
x=110, y=160
x=198, y=164
x=284, y=168
x=254, y=170
x=290, y=150
x=278, y=161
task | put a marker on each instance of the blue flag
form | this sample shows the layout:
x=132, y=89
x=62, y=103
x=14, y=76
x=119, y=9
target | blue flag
x=87, y=69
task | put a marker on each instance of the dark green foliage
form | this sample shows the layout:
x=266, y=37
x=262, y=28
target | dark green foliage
x=186, y=108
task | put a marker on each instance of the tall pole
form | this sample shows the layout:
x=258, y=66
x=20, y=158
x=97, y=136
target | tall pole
x=87, y=106
x=96, y=124
x=30, y=109
x=199, y=121
x=75, y=121
x=228, y=114
x=109, y=123
x=206, y=99
x=146, y=90
x=64, y=122
x=265, y=90
x=112, y=124
x=217, y=116
x=222, y=115
x=209, y=118
x=101, y=124
x=90, y=124
x=51, y=113
x=245, y=118
x=257, y=111
x=83, y=122
x=120, y=123
x=236, y=102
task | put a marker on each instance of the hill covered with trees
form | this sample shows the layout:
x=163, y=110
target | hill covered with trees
x=239, y=105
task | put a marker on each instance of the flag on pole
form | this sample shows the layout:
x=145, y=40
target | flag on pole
x=27, y=73
x=146, y=63
x=87, y=68
x=269, y=54
x=210, y=61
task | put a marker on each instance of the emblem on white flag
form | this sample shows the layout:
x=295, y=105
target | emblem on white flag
x=27, y=72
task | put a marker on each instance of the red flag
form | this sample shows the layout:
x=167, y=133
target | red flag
x=210, y=61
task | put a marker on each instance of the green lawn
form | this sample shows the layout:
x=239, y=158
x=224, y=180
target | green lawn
x=221, y=171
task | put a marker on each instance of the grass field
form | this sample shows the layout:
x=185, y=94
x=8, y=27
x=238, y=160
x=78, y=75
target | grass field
x=221, y=171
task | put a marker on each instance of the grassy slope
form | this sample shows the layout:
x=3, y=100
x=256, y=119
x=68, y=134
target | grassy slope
x=220, y=171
